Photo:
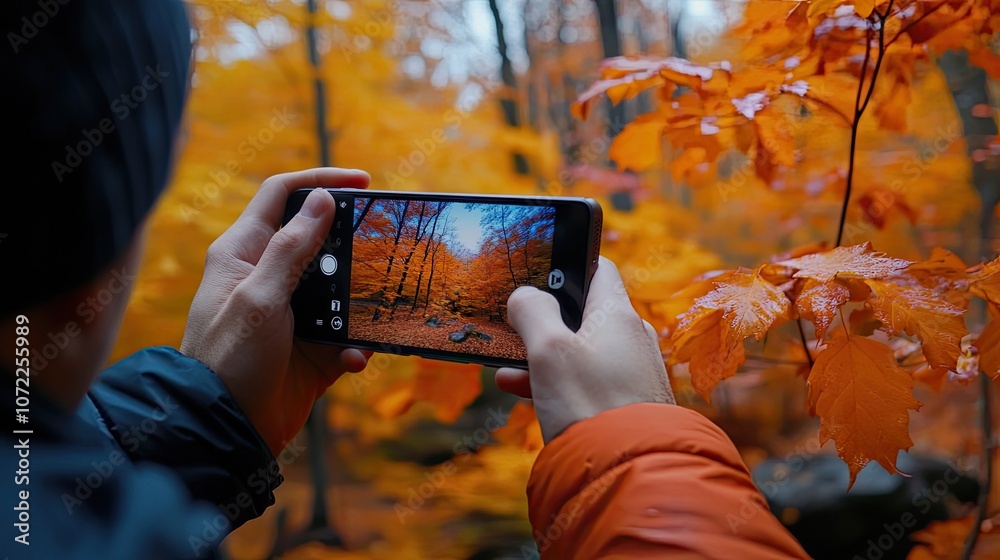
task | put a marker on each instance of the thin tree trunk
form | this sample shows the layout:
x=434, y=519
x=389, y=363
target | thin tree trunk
x=423, y=263
x=507, y=102
x=418, y=234
x=506, y=244
x=430, y=279
x=608, y=19
x=401, y=221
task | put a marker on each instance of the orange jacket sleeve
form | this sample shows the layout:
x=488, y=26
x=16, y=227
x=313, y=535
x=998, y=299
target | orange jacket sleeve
x=650, y=480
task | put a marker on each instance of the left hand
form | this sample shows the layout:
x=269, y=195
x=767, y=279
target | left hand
x=241, y=323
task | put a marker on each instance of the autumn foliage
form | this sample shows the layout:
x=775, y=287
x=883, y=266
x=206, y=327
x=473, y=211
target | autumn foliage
x=849, y=60
x=820, y=130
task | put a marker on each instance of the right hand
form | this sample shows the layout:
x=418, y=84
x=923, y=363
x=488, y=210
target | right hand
x=613, y=360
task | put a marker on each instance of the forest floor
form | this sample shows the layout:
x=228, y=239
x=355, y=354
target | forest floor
x=405, y=329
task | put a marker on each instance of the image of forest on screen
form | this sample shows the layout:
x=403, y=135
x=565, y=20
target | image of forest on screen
x=437, y=274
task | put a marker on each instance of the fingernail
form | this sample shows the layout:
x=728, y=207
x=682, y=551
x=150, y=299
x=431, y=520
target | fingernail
x=314, y=206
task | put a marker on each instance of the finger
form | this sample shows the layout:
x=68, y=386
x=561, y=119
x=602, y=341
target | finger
x=332, y=361
x=514, y=381
x=535, y=316
x=606, y=286
x=268, y=205
x=263, y=214
x=291, y=250
x=354, y=360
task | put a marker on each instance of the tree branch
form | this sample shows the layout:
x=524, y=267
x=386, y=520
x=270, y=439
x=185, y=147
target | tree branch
x=859, y=110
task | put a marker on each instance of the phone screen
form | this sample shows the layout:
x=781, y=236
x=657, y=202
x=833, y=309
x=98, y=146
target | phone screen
x=430, y=274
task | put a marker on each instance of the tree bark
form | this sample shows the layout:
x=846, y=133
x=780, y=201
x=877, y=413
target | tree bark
x=508, y=104
x=427, y=249
x=417, y=236
x=608, y=18
x=400, y=222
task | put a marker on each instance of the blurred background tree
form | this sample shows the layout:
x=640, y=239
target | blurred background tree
x=475, y=96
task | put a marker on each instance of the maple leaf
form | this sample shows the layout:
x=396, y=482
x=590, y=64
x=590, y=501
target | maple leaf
x=863, y=399
x=623, y=78
x=710, y=335
x=818, y=303
x=637, y=146
x=988, y=345
x=705, y=346
x=858, y=261
x=923, y=313
x=984, y=281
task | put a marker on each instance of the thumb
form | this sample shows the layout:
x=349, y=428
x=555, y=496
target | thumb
x=293, y=247
x=535, y=315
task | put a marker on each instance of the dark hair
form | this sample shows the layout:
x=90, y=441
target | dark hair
x=92, y=97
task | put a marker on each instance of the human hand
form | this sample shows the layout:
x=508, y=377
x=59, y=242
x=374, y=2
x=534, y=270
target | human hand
x=613, y=360
x=240, y=324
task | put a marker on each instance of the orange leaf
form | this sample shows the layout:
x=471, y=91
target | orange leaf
x=864, y=8
x=628, y=77
x=819, y=302
x=985, y=281
x=637, y=146
x=522, y=429
x=859, y=261
x=773, y=127
x=988, y=345
x=710, y=335
x=450, y=387
x=863, y=322
x=944, y=273
x=923, y=313
x=818, y=8
x=982, y=56
x=862, y=398
x=703, y=344
x=879, y=203
x=395, y=400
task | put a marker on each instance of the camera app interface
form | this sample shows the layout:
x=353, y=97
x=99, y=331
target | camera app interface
x=437, y=275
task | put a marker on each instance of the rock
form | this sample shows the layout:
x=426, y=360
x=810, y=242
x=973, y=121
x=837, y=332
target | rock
x=458, y=336
x=468, y=328
x=433, y=322
x=484, y=336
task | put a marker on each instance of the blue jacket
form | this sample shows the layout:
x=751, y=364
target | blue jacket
x=158, y=462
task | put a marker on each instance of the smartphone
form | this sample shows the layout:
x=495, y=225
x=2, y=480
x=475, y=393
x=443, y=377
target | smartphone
x=428, y=274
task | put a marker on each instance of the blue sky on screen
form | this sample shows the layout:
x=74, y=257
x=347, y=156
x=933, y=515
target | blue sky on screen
x=468, y=231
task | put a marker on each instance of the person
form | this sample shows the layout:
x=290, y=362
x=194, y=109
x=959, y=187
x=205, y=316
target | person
x=163, y=453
